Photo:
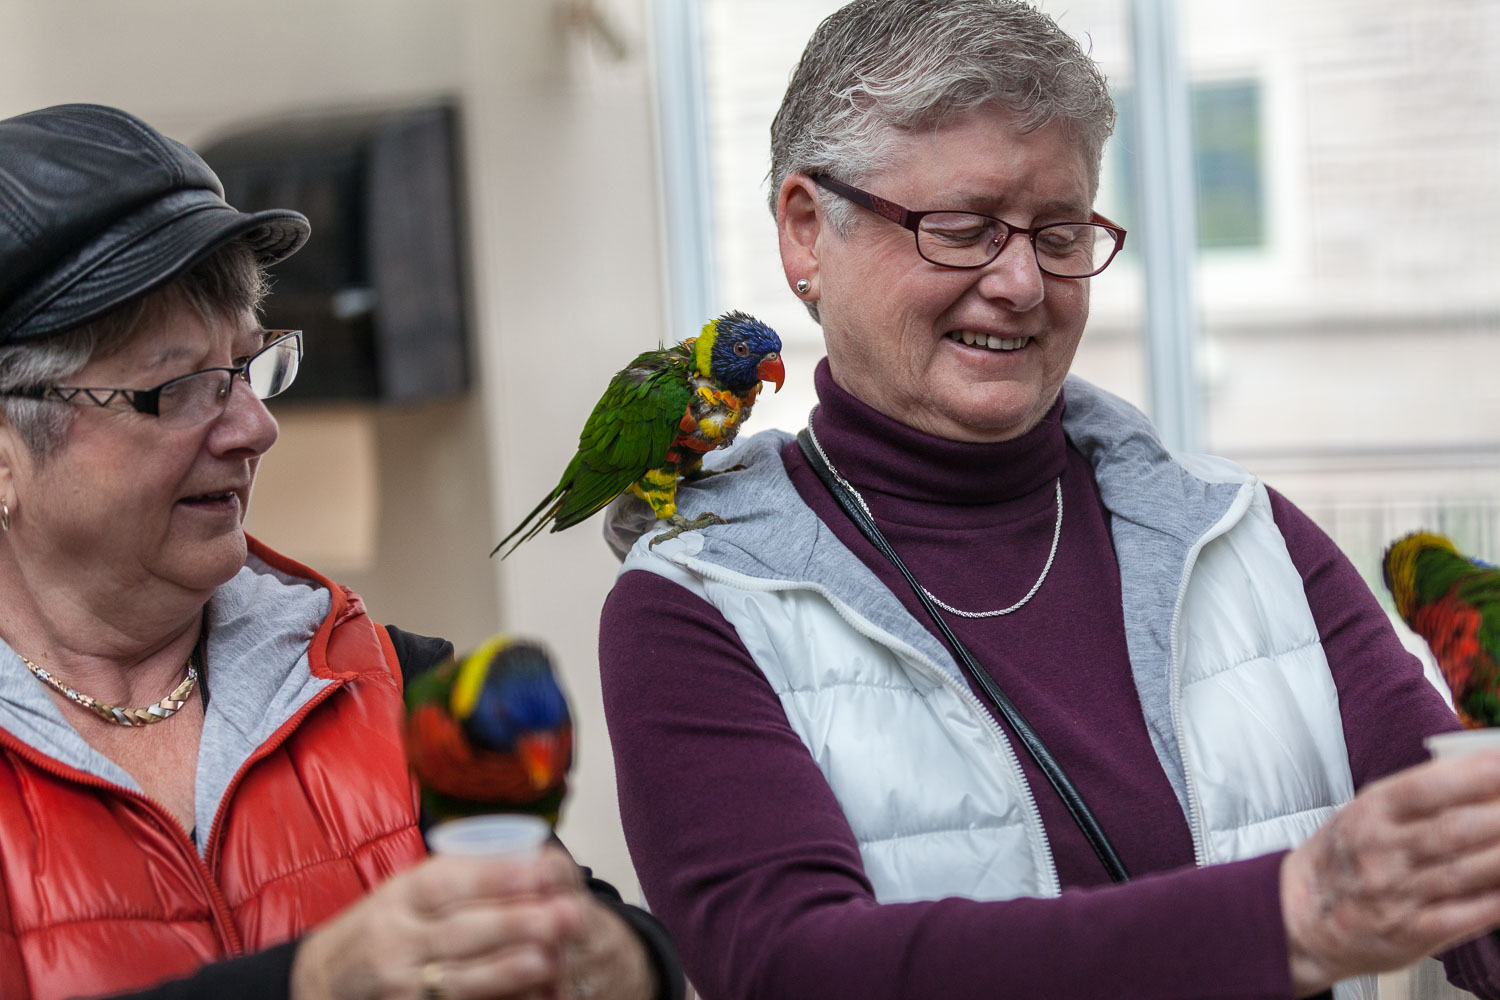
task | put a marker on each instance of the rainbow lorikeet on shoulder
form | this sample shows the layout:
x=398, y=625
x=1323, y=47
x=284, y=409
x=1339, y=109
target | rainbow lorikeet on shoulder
x=1453, y=602
x=657, y=419
x=490, y=732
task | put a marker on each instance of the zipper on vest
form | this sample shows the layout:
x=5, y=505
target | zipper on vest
x=229, y=937
x=1047, y=871
x=1174, y=653
x=276, y=739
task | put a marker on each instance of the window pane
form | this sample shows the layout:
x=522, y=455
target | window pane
x=1227, y=164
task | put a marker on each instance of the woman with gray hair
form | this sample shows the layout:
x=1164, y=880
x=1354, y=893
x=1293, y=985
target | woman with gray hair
x=981, y=691
x=203, y=788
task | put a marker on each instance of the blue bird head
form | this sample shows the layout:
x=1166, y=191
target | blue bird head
x=521, y=709
x=744, y=351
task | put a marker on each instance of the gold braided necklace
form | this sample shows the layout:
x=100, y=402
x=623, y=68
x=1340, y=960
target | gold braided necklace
x=164, y=709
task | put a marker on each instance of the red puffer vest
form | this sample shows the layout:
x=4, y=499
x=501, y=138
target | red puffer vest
x=101, y=890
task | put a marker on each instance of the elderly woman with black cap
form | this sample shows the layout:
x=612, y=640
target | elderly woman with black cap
x=981, y=692
x=202, y=785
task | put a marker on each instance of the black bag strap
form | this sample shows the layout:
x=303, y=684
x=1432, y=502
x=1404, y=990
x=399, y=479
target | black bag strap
x=1012, y=715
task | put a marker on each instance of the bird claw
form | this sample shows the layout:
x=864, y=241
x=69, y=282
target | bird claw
x=681, y=524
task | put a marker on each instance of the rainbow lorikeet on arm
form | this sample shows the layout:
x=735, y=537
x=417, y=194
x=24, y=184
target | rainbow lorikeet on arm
x=490, y=732
x=657, y=419
x=1452, y=602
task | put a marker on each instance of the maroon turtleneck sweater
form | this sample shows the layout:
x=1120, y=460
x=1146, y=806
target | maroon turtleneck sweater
x=742, y=849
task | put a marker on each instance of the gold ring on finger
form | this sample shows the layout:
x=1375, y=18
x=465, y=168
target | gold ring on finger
x=432, y=982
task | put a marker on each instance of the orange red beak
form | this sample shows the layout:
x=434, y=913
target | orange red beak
x=771, y=370
x=543, y=756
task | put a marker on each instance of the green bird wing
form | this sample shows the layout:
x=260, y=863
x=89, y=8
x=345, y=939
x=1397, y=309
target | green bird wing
x=1440, y=574
x=630, y=432
x=430, y=686
x=1436, y=574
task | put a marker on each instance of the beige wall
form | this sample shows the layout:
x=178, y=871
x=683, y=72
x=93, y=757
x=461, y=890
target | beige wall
x=565, y=233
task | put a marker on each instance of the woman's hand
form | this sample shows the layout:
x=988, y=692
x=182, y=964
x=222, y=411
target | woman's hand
x=457, y=928
x=1408, y=868
x=603, y=959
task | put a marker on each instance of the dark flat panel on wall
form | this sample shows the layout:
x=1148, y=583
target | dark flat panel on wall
x=380, y=287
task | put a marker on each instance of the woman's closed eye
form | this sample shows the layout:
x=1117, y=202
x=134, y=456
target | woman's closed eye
x=1065, y=241
x=958, y=231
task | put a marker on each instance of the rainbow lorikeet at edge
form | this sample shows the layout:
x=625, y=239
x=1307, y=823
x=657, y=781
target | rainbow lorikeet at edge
x=656, y=420
x=490, y=732
x=1452, y=602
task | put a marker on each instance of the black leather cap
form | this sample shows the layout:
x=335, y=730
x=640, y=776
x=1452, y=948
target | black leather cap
x=97, y=207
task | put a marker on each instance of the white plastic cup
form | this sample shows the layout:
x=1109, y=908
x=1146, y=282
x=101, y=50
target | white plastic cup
x=515, y=838
x=1462, y=743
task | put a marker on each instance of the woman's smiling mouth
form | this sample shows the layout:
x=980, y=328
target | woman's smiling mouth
x=989, y=341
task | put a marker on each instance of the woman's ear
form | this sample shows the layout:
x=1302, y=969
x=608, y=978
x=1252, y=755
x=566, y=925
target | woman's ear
x=15, y=462
x=13, y=459
x=799, y=223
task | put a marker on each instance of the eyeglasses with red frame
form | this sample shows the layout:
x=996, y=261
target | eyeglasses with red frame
x=970, y=240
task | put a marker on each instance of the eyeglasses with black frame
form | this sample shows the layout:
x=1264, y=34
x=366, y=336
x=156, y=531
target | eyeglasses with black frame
x=970, y=240
x=194, y=398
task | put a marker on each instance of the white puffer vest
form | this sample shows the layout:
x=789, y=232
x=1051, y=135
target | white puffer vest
x=1236, y=690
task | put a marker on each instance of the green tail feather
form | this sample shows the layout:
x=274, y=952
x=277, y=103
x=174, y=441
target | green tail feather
x=555, y=498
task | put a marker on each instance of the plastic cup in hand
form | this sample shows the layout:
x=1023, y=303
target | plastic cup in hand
x=1462, y=743
x=515, y=838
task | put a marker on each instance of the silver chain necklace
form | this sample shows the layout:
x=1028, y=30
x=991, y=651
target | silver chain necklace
x=1056, y=534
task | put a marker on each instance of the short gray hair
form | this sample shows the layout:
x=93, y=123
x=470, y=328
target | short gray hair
x=878, y=67
x=224, y=286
